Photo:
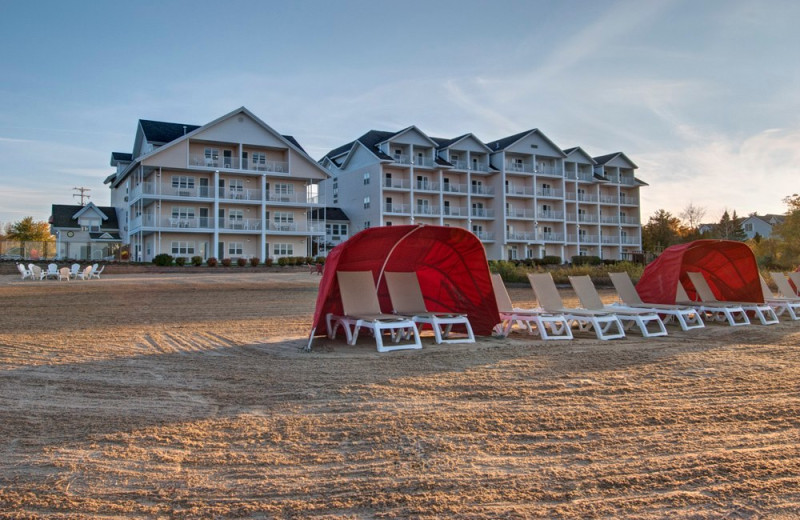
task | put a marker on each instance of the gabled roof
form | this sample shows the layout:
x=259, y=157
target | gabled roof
x=65, y=216
x=288, y=140
x=105, y=236
x=118, y=157
x=163, y=132
x=604, y=159
x=448, y=143
x=87, y=208
x=578, y=149
x=506, y=142
x=410, y=129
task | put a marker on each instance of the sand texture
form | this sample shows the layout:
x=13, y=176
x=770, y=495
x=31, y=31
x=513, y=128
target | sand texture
x=175, y=396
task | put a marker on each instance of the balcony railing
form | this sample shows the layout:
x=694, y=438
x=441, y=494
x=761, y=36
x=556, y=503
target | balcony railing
x=580, y=176
x=523, y=235
x=473, y=166
x=232, y=163
x=396, y=208
x=296, y=227
x=519, y=190
x=608, y=199
x=425, y=162
x=513, y=166
x=400, y=184
x=455, y=211
x=291, y=198
x=426, y=210
x=151, y=188
x=482, y=212
x=484, y=235
x=550, y=215
x=239, y=224
x=448, y=187
x=628, y=200
x=606, y=239
x=401, y=158
x=223, y=224
x=553, y=237
x=239, y=194
x=549, y=192
x=481, y=190
x=585, y=217
x=629, y=241
x=520, y=213
x=609, y=219
x=547, y=170
x=629, y=220
x=628, y=181
x=426, y=186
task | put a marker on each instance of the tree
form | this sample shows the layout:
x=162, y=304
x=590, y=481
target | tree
x=692, y=216
x=730, y=228
x=788, y=232
x=26, y=230
x=662, y=231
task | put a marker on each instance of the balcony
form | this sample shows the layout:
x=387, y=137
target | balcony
x=232, y=163
x=580, y=176
x=629, y=241
x=522, y=191
x=585, y=217
x=291, y=198
x=525, y=236
x=606, y=239
x=398, y=184
x=553, y=237
x=550, y=215
x=454, y=188
x=549, y=193
x=427, y=210
x=482, y=190
x=426, y=186
x=548, y=170
x=455, y=211
x=401, y=158
x=296, y=227
x=396, y=209
x=608, y=199
x=484, y=235
x=239, y=224
x=520, y=213
x=631, y=221
x=628, y=200
x=482, y=213
x=622, y=179
x=240, y=194
x=517, y=167
x=609, y=219
x=424, y=162
x=151, y=188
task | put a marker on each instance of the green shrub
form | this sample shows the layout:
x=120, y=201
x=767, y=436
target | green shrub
x=241, y=262
x=211, y=262
x=226, y=262
x=586, y=260
x=319, y=260
x=197, y=260
x=254, y=261
x=283, y=261
x=163, y=259
x=181, y=261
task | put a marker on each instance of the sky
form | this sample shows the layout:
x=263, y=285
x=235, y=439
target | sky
x=702, y=95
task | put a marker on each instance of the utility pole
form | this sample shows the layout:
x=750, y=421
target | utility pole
x=83, y=193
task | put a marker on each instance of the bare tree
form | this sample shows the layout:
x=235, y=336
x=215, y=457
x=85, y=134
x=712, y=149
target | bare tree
x=692, y=216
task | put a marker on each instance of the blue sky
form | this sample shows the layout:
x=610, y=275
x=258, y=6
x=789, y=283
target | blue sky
x=704, y=96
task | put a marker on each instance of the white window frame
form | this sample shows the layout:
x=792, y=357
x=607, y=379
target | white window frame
x=235, y=248
x=182, y=248
x=283, y=249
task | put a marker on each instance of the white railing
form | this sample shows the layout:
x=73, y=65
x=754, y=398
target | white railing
x=549, y=192
x=608, y=199
x=426, y=210
x=426, y=186
x=589, y=239
x=454, y=188
x=628, y=181
x=610, y=239
x=482, y=212
x=512, y=166
x=523, y=235
x=229, y=193
x=629, y=241
x=401, y=158
x=233, y=163
x=550, y=215
x=239, y=224
x=484, y=235
x=583, y=197
x=291, y=198
x=400, y=184
x=396, y=208
x=542, y=170
x=628, y=200
x=151, y=188
x=479, y=167
x=481, y=190
x=609, y=220
x=553, y=237
x=580, y=176
x=520, y=213
x=218, y=162
x=423, y=161
x=296, y=227
x=629, y=220
x=585, y=217
x=519, y=190
x=455, y=211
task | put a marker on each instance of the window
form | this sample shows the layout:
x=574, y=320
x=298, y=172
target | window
x=183, y=213
x=236, y=218
x=90, y=224
x=182, y=182
x=283, y=220
x=366, y=178
x=366, y=202
x=182, y=248
x=477, y=187
x=283, y=249
x=336, y=230
x=212, y=156
x=366, y=224
x=422, y=182
x=236, y=188
x=235, y=248
x=284, y=192
x=423, y=207
x=748, y=227
x=259, y=161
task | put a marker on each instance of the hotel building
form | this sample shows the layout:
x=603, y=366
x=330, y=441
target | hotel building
x=228, y=189
x=522, y=195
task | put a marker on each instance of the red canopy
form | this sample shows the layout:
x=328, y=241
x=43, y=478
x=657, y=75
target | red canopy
x=450, y=263
x=729, y=267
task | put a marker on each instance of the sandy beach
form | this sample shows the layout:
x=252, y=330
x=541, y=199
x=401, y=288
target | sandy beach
x=189, y=396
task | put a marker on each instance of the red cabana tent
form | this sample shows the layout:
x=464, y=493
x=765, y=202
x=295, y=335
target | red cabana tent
x=729, y=267
x=450, y=263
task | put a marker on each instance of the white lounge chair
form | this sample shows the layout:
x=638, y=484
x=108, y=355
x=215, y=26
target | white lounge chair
x=36, y=272
x=97, y=272
x=362, y=309
x=606, y=325
x=25, y=272
x=86, y=273
x=407, y=300
x=784, y=286
x=780, y=305
x=794, y=276
x=590, y=299
x=765, y=313
x=732, y=313
x=547, y=325
x=687, y=317
x=63, y=274
x=52, y=271
x=74, y=270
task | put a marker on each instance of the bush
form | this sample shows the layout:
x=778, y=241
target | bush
x=586, y=260
x=197, y=260
x=241, y=261
x=283, y=261
x=181, y=261
x=226, y=262
x=319, y=260
x=163, y=259
x=255, y=261
x=211, y=262
x=268, y=262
